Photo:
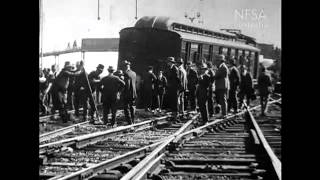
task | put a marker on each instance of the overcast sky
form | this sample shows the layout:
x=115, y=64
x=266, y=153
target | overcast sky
x=69, y=20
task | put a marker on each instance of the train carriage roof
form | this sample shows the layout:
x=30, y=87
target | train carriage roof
x=166, y=23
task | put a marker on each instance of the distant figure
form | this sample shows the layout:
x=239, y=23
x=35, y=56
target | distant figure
x=183, y=84
x=111, y=87
x=264, y=88
x=246, y=85
x=234, y=79
x=202, y=92
x=42, y=88
x=51, y=78
x=192, y=77
x=70, y=91
x=161, y=86
x=222, y=84
x=129, y=93
x=59, y=90
x=211, y=91
x=174, y=84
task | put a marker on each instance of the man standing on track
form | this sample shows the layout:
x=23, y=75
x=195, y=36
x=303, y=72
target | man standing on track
x=59, y=90
x=129, y=93
x=111, y=87
x=183, y=86
x=246, y=85
x=173, y=86
x=264, y=87
x=211, y=74
x=234, y=79
x=222, y=84
x=202, y=92
x=192, y=77
x=161, y=86
x=94, y=79
x=149, y=85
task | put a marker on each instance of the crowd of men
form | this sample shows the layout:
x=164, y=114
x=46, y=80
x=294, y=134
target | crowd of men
x=208, y=88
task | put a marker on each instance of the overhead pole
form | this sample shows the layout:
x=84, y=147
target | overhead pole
x=136, y=10
x=98, y=10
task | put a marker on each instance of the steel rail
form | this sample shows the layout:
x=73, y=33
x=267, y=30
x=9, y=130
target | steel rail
x=276, y=163
x=158, y=151
x=114, y=162
x=59, y=132
x=153, y=160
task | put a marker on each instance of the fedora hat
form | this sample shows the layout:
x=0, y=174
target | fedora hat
x=100, y=66
x=171, y=59
x=110, y=68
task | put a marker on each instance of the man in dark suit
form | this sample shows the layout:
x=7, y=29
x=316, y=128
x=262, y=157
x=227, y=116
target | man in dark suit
x=264, y=87
x=202, y=92
x=222, y=84
x=161, y=86
x=94, y=79
x=192, y=77
x=174, y=84
x=148, y=86
x=183, y=85
x=211, y=74
x=234, y=79
x=246, y=85
x=111, y=87
x=129, y=93
x=59, y=90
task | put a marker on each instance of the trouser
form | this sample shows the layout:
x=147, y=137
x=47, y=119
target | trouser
x=203, y=107
x=243, y=95
x=160, y=97
x=232, y=100
x=264, y=103
x=192, y=99
x=148, y=96
x=128, y=110
x=222, y=95
x=181, y=101
x=70, y=98
x=173, y=95
x=210, y=103
x=109, y=104
x=81, y=99
x=59, y=99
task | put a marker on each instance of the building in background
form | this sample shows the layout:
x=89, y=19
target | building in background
x=93, y=51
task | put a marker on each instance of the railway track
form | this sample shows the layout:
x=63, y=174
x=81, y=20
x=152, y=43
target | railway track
x=84, y=128
x=270, y=126
x=92, y=154
x=233, y=148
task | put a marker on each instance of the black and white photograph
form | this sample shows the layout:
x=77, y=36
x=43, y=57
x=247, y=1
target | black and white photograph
x=160, y=89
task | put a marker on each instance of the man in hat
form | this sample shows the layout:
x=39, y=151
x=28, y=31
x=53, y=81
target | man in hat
x=129, y=93
x=174, y=84
x=222, y=84
x=211, y=74
x=192, y=77
x=59, y=90
x=82, y=93
x=119, y=73
x=111, y=87
x=246, y=85
x=161, y=86
x=264, y=87
x=202, y=91
x=148, y=86
x=183, y=85
x=94, y=79
x=234, y=79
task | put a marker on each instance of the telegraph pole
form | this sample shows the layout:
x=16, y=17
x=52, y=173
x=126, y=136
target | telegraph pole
x=98, y=10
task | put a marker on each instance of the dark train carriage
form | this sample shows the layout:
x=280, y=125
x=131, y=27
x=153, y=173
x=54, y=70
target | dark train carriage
x=154, y=38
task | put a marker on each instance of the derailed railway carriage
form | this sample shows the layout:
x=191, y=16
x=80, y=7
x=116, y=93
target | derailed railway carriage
x=154, y=38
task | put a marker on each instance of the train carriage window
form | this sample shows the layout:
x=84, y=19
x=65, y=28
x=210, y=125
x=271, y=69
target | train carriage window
x=233, y=52
x=224, y=51
x=183, y=50
x=194, y=52
x=215, y=52
x=205, y=51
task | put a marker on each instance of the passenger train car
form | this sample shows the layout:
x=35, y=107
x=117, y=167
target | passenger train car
x=154, y=38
